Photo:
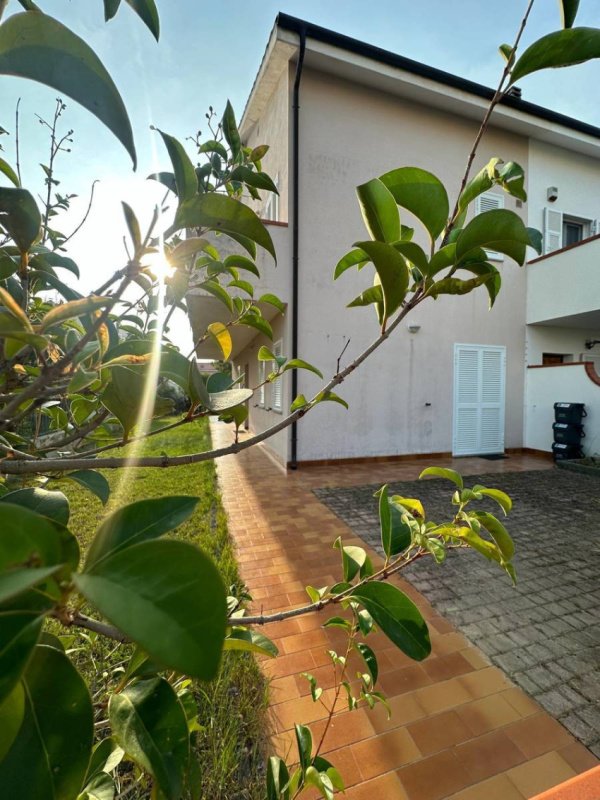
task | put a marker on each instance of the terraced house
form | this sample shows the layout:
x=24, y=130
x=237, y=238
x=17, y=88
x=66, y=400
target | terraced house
x=457, y=377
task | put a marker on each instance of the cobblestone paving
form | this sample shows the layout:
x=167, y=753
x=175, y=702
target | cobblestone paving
x=545, y=632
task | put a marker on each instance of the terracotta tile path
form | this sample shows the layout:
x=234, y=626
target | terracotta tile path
x=459, y=729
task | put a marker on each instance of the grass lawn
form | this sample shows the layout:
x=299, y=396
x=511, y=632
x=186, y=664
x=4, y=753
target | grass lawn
x=232, y=708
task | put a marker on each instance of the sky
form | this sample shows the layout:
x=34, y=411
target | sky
x=210, y=52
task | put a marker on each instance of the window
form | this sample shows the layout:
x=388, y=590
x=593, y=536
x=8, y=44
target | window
x=550, y=359
x=272, y=208
x=486, y=202
x=562, y=230
x=276, y=386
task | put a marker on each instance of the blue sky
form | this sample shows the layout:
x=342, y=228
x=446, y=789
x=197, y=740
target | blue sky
x=211, y=51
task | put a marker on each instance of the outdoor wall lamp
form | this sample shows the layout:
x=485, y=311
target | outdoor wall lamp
x=589, y=343
x=412, y=328
x=552, y=193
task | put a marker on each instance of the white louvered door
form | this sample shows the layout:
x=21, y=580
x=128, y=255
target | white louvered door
x=487, y=202
x=479, y=389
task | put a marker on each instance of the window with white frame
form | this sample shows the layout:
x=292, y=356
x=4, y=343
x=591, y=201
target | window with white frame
x=262, y=376
x=277, y=385
x=487, y=202
x=272, y=208
x=562, y=230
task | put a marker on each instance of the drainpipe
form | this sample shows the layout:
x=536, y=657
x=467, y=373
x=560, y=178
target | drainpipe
x=295, y=231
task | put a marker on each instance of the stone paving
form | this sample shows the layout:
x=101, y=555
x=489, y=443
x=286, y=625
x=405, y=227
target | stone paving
x=545, y=632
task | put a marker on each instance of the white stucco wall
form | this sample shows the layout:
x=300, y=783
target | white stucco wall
x=569, y=342
x=565, y=283
x=576, y=176
x=401, y=398
x=565, y=384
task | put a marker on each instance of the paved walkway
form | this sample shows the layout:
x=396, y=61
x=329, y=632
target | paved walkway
x=545, y=632
x=460, y=729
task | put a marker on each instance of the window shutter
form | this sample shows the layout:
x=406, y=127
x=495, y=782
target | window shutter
x=487, y=202
x=277, y=386
x=553, y=224
x=479, y=387
x=261, y=379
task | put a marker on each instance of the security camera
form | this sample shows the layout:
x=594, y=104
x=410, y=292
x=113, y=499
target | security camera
x=552, y=194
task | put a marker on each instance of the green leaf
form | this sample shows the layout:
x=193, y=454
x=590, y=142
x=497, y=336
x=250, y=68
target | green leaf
x=211, y=146
x=123, y=397
x=370, y=660
x=101, y=787
x=507, y=52
x=8, y=266
x=55, y=283
x=223, y=401
x=385, y=520
x=272, y=300
x=559, y=49
x=245, y=286
x=133, y=226
x=138, y=522
x=167, y=586
x=258, y=323
x=535, y=240
x=17, y=581
x=372, y=295
x=219, y=212
x=392, y=271
x=488, y=276
x=110, y=9
x=149, y=723
x=12, y=711
x=19, y=215
x=356, y=257
x=186, y=180
x=443, y=472
x=75, y=308
x=92, y=480
x=106, y=756
x=298, y=403
x=278, y=778
x=166, y=178
x=299, y=363
x=241, y=262
x=264, y=354
x=568, y=12
x=36, y=46
x=250, y=641
x=413, y=253
x=500, y=497
x=304, y=742
x=219, y=382
x=7, y=170
x=498, y=229
x=49, y=756
x=422, y=194
x=148, y=13
x=324, y=397
x=397, y=616
x=53, y=505
x=379, y=211
x=230, y=130
x=259, y=180
x=353, y=558
x=498, y=533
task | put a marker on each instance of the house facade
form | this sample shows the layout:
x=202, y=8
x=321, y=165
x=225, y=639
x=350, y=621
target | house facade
x=456, y=377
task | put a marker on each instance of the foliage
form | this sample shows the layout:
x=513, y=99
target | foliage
x=87, y=368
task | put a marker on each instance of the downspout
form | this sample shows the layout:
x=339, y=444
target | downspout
x=295, y=232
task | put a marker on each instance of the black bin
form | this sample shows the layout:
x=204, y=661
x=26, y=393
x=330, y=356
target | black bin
x=563, y=452
x=569, y=413
x=567, y=434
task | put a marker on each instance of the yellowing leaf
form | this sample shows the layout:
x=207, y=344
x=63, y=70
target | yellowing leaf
x=222, y=336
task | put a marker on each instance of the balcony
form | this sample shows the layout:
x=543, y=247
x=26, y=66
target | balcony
x=563, y=288
x=204, y=308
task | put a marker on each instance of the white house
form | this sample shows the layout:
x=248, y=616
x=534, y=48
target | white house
x=457, y=377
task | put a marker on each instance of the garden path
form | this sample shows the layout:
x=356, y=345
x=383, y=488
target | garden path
x=460, y=729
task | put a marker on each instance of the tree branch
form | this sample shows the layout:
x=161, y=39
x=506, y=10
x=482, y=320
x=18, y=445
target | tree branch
x=58, y=464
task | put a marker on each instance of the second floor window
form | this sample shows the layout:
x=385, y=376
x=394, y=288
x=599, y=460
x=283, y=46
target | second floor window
x=271, y=212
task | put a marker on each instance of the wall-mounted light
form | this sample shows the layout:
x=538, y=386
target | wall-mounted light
x=589, y=343
x=413, y=328
x=552, y=193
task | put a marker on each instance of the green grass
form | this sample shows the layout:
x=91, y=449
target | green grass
x=233, y=707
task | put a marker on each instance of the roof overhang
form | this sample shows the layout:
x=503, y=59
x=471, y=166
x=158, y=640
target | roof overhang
x=358, y=62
